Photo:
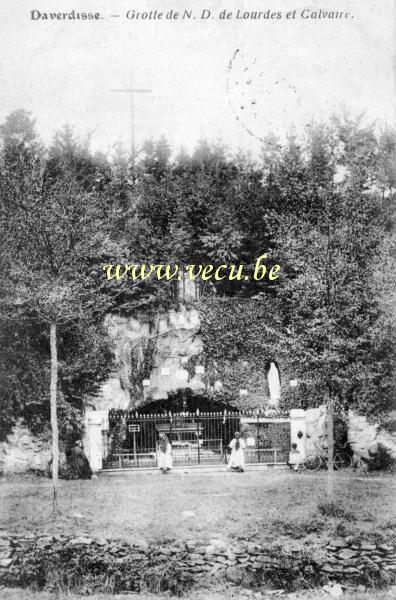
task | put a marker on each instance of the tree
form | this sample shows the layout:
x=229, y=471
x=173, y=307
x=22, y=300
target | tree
x=50, y=249
x=46, y=276
x=329, y=301
x=321, y=208
x=328, y=323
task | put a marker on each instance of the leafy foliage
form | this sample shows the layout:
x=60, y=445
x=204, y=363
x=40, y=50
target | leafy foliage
x=329, y=324
x=380, y=460
x=322, y=207
x=48, y=249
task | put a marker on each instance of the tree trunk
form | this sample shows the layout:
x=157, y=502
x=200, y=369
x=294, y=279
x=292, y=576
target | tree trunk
x=54, y=419
x=330, y=442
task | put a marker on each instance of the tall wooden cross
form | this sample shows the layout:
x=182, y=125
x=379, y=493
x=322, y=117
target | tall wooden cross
x=131, y=91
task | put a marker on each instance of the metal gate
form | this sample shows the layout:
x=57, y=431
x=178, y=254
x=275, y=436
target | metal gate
x=196, y=438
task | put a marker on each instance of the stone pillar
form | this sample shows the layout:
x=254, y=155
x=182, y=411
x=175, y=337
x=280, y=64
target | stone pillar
x=94, y=425
x=297, y=424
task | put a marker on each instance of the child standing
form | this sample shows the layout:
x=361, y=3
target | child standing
x=237, y=458
x=164, y=454
x=295, y=458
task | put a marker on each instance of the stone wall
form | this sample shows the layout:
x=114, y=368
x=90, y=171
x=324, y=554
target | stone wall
x=29, y=559
x=24, y=451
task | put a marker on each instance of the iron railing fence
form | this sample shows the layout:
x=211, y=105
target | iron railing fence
x=197, y=438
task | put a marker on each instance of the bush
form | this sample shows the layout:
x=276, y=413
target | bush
x=167, y=577
x=331, y=509
x=380, y=460
x=300, y=530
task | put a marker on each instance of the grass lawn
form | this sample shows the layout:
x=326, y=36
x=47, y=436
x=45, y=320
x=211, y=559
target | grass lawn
x=265, y=504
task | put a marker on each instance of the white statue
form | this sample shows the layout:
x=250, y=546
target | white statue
x=274, y=385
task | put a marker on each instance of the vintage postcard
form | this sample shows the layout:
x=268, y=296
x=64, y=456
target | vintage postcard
x=197, y=295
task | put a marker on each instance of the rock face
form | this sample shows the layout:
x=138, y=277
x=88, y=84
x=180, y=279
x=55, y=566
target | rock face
x=166, y=343
x=315, y=424
x=23, y=451
x=364, y=436
x=161, y=349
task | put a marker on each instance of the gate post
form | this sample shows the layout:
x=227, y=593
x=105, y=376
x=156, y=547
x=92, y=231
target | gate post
x=297, y=426
x=93, y=438
x=223, y=438
x=258, y=437
x=199, y=449
x=170, y=427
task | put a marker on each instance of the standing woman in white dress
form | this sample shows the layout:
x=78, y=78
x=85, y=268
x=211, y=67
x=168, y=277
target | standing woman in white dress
x=164, y=453
x=237, y=458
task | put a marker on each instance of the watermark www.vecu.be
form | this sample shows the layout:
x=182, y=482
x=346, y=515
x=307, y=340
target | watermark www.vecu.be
x=167, y=272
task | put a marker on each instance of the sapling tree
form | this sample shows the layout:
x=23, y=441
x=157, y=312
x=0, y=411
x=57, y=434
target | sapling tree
x=50, y=251
x=329, y=300
x=56, y=238
x=47, y=279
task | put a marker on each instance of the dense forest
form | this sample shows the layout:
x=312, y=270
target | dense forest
x=321, y=206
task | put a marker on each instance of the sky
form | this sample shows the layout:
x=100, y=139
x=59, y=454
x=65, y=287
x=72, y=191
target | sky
x=230, y=81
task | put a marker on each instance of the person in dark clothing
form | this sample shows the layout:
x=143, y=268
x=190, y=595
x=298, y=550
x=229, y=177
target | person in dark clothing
x=77, y=464
x=295, y=459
